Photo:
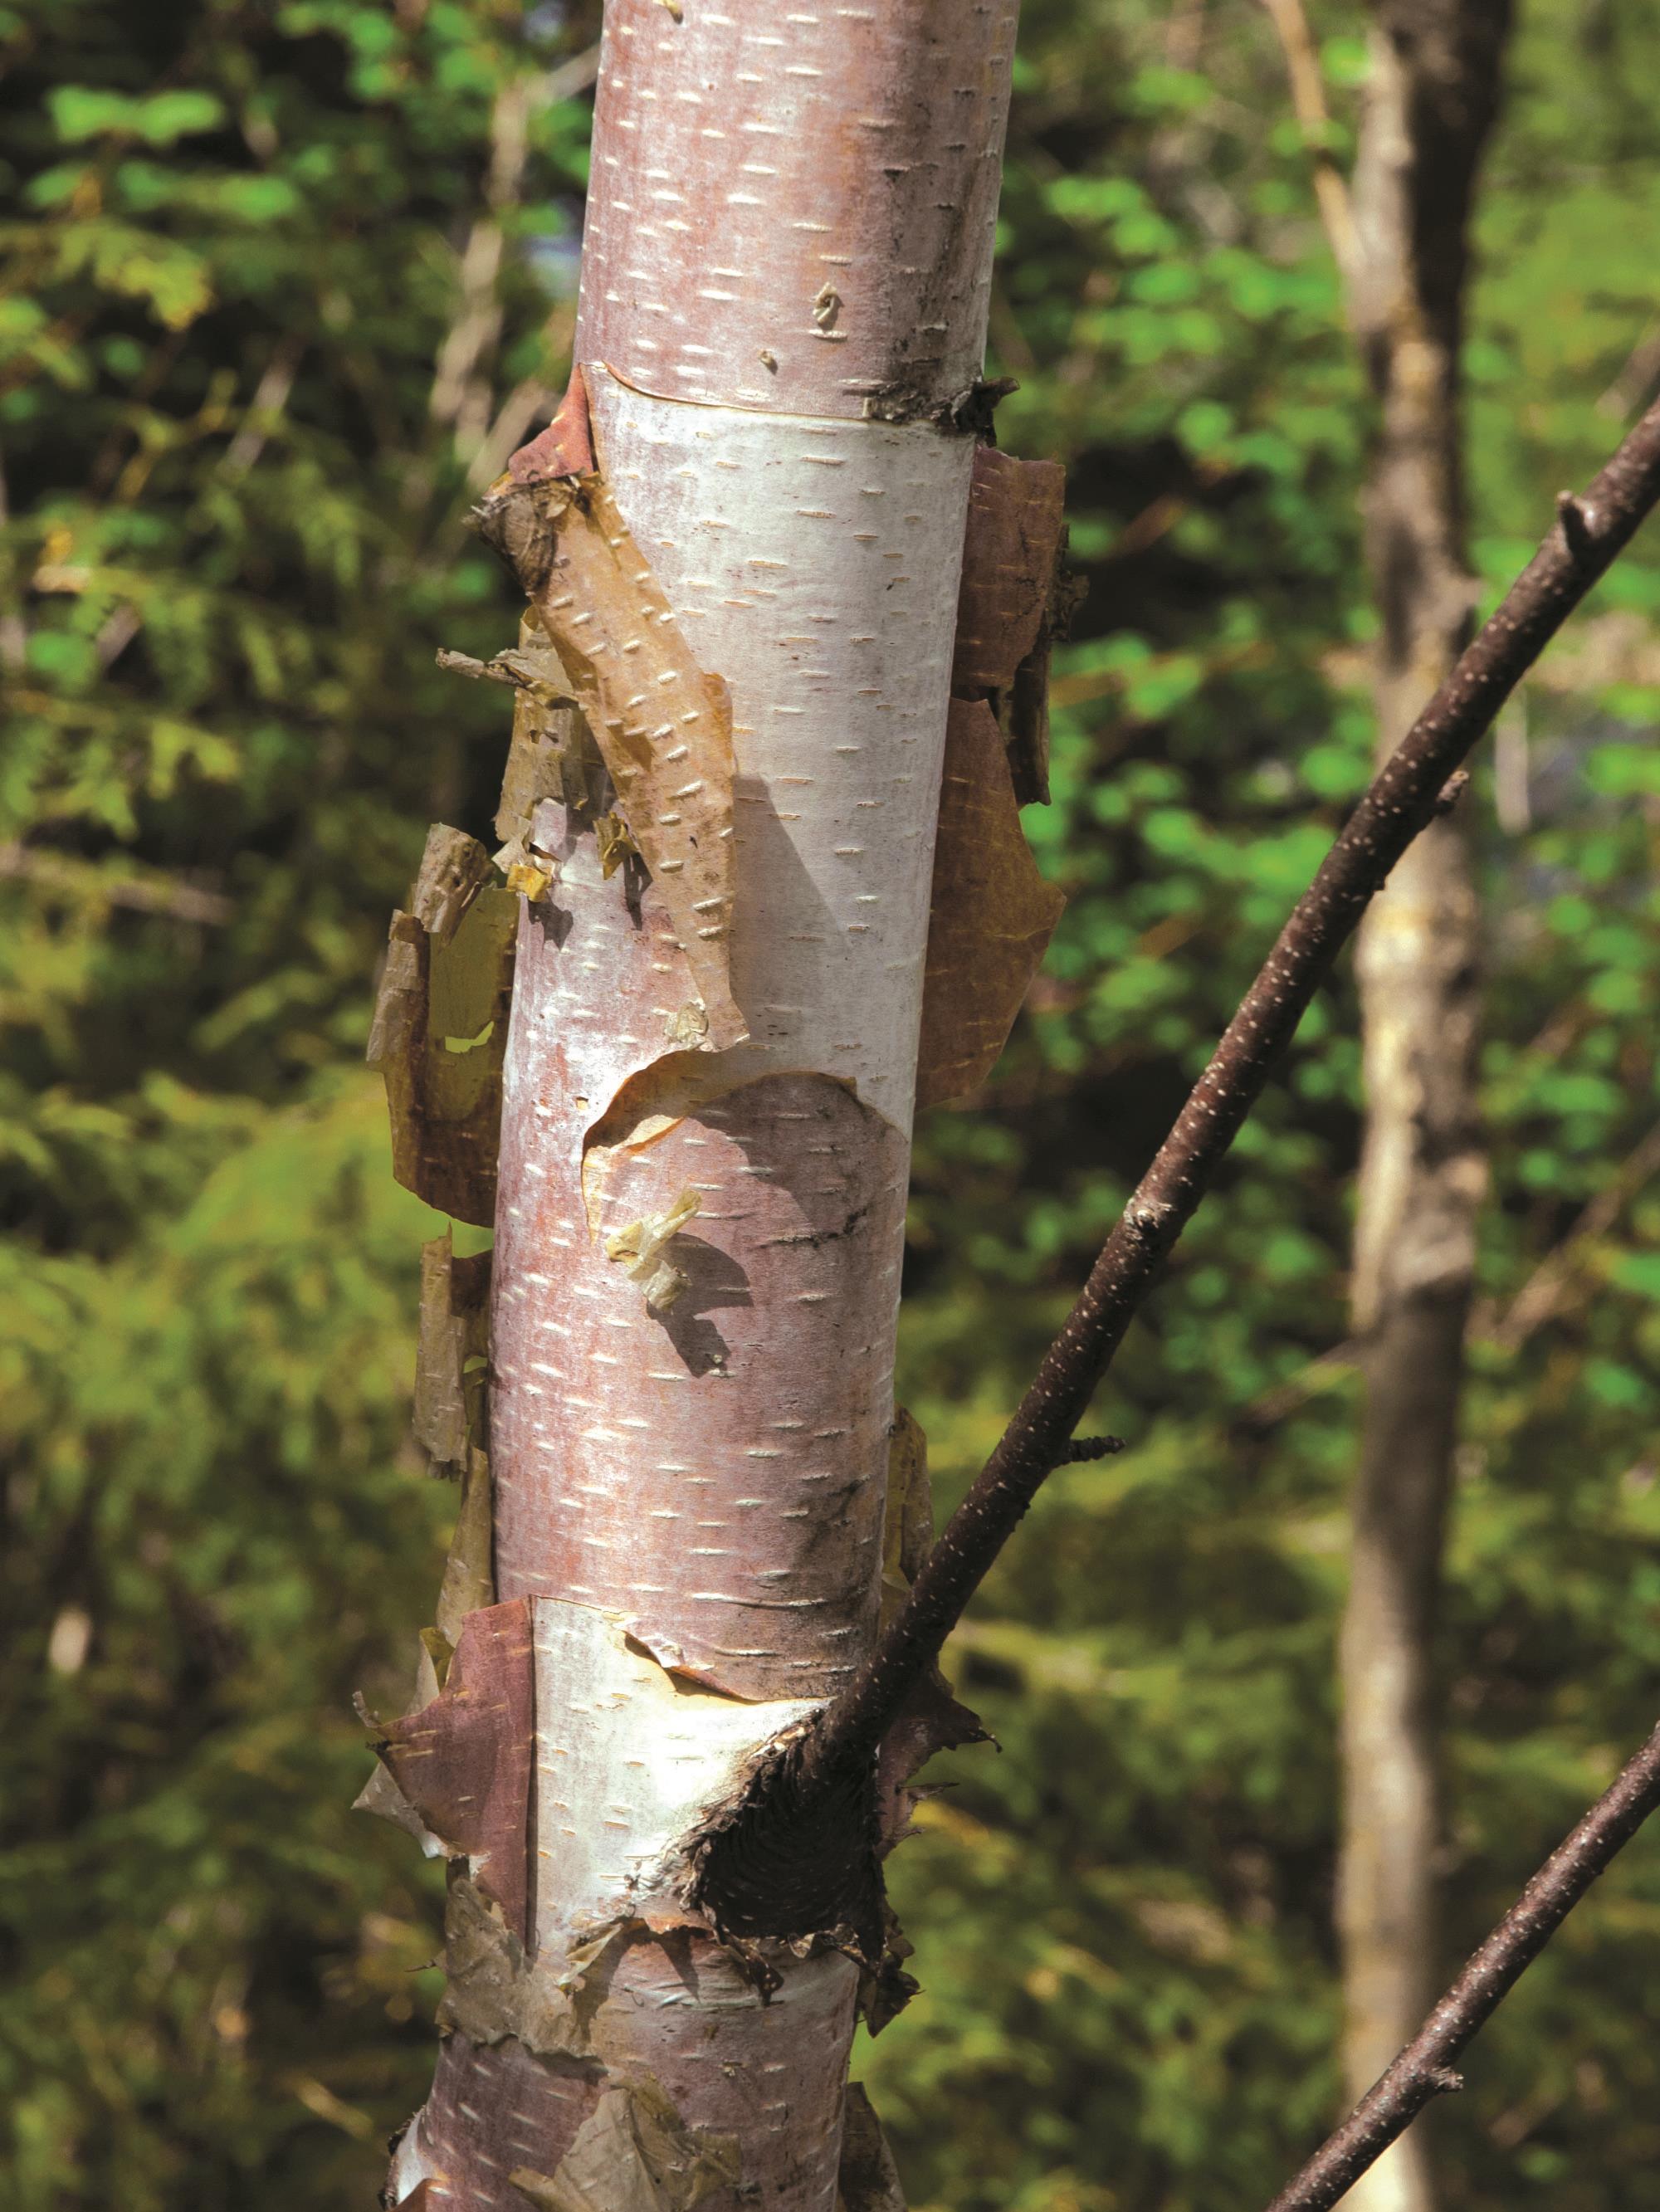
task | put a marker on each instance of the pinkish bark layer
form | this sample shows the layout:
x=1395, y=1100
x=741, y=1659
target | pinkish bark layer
x=713, y=1472
x=794, y=209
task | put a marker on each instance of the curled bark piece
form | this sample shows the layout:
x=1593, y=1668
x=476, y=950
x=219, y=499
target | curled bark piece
x=453, y=1355
x=642, y=1249
x=463, y=1761
x=440, y=1029
x=868, y=2180
x=635, y=2154
x=468, y=1586
x=1009, y=552
x=908, y=1520
x=662, y=725
x=565, y=448
x=549, y=742
x=992, y=917
x=1013, y=599
x=469, y=1583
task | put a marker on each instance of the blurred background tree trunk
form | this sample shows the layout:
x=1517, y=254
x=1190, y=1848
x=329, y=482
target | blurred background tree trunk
x=1432, y=100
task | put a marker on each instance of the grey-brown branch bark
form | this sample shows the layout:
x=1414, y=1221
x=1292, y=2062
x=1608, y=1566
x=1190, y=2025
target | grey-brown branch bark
x=1587, y=534
x=1423, y=2070
x=1431, y=101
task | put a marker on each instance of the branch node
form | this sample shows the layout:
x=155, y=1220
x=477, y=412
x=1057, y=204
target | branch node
x=1445, y=2080
x=1150, y=1217
x=1088, y=1447
x=1452, y=791
x=1576, y=522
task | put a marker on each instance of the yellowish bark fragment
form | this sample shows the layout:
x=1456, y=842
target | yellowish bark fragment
x=440, y=1030
x=642, y=1248
x=493, y=1989
x=992, y=915
x=635, y=2154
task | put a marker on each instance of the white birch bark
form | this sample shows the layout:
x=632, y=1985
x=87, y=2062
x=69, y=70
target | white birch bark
x=697, y=1255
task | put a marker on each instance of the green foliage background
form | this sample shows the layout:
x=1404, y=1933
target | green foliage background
x=237, y=241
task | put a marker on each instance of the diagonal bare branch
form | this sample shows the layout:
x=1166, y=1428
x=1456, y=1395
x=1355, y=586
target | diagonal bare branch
x=1589, y=533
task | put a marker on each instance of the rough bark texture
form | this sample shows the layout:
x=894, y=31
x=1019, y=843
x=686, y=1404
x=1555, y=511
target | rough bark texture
x=741, y=542
x=1431, y=102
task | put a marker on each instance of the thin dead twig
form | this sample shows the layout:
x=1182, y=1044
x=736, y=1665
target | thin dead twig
x=1541, y=1297
x=1424, y=2069
x=1307, y=100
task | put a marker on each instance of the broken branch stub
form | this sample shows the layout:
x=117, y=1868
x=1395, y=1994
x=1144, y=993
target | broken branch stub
x=440, y=1030
x=663, y=726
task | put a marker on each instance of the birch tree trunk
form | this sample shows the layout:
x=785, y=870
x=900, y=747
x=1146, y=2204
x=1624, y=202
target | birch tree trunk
x=1432, y=96
x=745, y=681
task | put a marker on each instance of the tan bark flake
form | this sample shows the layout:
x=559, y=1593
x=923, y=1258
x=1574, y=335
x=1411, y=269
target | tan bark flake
x=663, y=726
x=452, y=1358
x=635, y=2154
x=992, y=916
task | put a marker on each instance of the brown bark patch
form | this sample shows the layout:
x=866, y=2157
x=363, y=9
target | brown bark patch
x=992, y=916
x=1010, y=549
x=463, y=1761
x=1014, y=600
x=868, y=2180
x=453, y=1354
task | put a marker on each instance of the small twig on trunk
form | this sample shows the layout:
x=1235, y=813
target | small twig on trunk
x=1400, y=802
x=1424, y=2069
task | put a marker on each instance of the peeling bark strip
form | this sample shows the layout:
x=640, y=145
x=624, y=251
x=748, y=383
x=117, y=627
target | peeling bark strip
x=663, y=726
x=741, y=544
x=1014, y=598
x=993, y=916
x=453, y=1355
x=440, y=1029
